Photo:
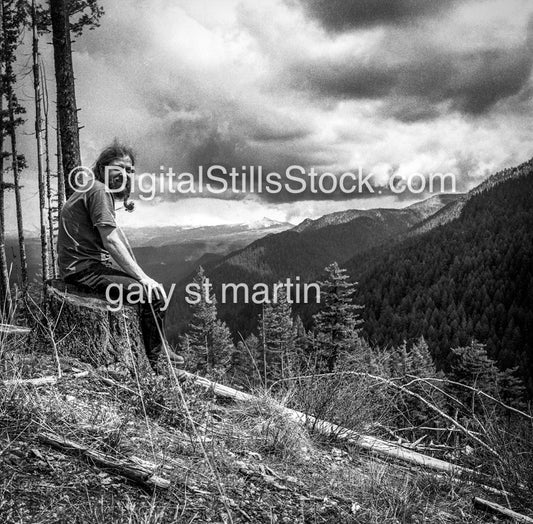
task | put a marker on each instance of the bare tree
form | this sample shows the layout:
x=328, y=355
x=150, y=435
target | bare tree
x=38, y=138
x=52, y=201
x=61, y=192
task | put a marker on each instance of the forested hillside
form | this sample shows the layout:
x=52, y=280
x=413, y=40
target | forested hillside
x=309, y=247
x=469, y=279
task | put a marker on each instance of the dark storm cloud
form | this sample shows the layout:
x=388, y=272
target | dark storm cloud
x=419, y=84
x=191, y=146
x=342, y=15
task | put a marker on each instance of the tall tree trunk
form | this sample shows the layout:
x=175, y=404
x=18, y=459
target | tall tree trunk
x=61, y=193
x=16, y=182
x=48, y=176
x=38, y=138
x=14, y=155
x=66, y=93
x=5, y=294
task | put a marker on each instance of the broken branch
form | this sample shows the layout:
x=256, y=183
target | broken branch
x=135, y=472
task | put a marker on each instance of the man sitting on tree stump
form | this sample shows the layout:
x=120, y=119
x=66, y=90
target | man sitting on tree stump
x=90, y=241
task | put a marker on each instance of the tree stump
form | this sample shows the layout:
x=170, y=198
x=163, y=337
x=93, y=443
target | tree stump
x=85, y=329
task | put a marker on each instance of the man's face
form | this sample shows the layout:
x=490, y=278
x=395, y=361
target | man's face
x=116, y=171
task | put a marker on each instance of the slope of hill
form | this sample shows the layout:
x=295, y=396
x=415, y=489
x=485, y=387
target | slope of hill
x=470, y=278
x=308, y=247
x=100, y=446
x=453, y=207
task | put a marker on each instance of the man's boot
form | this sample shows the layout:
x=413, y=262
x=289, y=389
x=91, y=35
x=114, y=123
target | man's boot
x=158, y=358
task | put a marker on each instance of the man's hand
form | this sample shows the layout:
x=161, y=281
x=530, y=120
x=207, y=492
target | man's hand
x=153, y=288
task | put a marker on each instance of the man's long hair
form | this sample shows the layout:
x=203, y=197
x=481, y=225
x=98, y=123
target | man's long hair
x=113, y=152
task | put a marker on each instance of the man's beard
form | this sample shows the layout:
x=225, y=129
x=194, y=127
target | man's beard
x=115, y=183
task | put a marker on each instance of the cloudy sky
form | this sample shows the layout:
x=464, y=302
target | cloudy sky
x=392, y=86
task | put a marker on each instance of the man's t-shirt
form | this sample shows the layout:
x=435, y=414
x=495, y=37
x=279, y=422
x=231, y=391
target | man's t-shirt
x=79, y=243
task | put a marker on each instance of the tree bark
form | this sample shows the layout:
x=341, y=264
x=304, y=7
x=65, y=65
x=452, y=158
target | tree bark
x=49, y=380
x=48, y=180
x=135, y=472
x=61, y=193
x=66, y=94
x=85, y=329
x=18, y=200
x=486, y=505
x=8, y=59
x=5, y=292
x=38, y=138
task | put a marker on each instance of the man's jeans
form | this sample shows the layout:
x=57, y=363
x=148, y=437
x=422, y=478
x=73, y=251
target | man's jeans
x=96, y=279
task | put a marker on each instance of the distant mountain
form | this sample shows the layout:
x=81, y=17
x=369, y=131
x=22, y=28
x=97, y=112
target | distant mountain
x=173, y=235
x=307, y=248
x=169, y=257
x=410, y=215
x=304, y=251
x=447, y=213
x=268, y=223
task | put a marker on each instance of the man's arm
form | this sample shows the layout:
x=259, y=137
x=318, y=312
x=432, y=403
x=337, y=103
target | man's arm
x=118, y=250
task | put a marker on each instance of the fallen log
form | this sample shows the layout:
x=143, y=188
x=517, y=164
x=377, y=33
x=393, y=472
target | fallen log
x=139, y=474
x=486, y=505
x=371, y=444
x=42, y=381
x=14, y=330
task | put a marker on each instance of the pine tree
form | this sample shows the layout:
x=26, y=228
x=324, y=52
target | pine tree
x=244, y=363
x=361, y=358
x=14, y=16
x=222, y=347
x=201, y=325
x=277, y=339
x=208, y=338
x=404, y=363
x=472, y=366
x=337, y=323
x=301, y=344
x=422, y=364
x=61, y=187
x=66, y=93
x=512, y=390
x=66, y=18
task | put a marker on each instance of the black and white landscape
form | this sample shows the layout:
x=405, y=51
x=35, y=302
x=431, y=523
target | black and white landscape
x=337, y=196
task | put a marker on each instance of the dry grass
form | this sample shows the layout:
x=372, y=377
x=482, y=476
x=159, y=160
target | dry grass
x=272, y=469
x=272, y=431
